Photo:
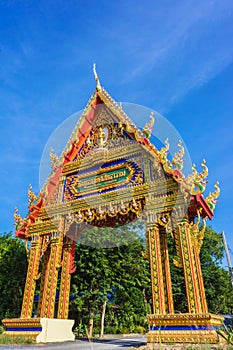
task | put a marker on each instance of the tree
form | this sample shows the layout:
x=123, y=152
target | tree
x=13, y=269
x=133, y=294
x=118, y=272
x=218, y=287
x=92, y=282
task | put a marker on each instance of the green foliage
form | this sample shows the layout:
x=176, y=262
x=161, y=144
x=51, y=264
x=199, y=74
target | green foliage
x=13, y=269
x=218, y=287
x=139, y=329
x=111, y=330
x=226, y=332
x=80, y=330
x=5, y=339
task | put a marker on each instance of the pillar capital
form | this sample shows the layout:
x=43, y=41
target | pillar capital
x=179, y=216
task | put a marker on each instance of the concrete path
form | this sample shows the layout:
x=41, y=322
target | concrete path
x=125, y=343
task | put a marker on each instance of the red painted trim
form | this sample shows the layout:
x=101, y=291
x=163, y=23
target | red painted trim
x=198, y=201
x=145, y=141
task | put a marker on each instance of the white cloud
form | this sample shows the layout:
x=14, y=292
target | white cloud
x=191, y=48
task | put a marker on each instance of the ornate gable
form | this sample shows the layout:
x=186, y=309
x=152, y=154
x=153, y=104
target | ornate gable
x=106, y=154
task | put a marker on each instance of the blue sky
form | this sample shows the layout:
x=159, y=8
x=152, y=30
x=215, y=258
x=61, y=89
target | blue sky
x=175, y=57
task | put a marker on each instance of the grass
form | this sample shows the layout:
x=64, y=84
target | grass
x=184, y=346
x=226, y=332
x=6, y=339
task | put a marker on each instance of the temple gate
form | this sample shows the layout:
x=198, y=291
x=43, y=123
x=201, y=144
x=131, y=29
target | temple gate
x=110, y=173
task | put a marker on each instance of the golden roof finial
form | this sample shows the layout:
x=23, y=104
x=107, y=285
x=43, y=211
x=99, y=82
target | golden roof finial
x=98, y=87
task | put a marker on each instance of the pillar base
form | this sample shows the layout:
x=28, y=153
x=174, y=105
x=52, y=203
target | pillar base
x=184, y=328
x=43, y=330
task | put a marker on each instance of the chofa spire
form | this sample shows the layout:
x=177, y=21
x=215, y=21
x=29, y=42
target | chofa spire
x=98, y=86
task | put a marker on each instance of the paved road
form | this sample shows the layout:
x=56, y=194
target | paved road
x=124, y=343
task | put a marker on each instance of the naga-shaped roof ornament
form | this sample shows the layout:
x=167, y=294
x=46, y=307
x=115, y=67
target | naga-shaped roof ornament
x=18, y=220
x=175, y=166
x=98, y=86
x=211, y=198
x=197, y=230
x=197, y=181
x=178, y=159
x=167, y=166
x=32, y=197
x=147, y=130
x=54, y=159
x=163, y=152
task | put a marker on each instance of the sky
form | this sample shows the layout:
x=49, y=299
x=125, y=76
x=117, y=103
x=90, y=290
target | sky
x=172, y=56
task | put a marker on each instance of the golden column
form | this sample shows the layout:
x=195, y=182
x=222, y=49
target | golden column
x=64, y=295
x=189, y=266
x=32, y=276
x=197, y=239
x=162, y=301
x=45, y=260
x=166, y=269
x=49, y=276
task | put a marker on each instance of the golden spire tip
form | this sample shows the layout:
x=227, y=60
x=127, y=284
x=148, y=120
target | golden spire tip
x=96, y=77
